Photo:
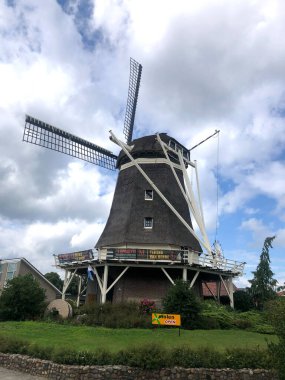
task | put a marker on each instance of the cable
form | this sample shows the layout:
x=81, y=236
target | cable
x=217, y=195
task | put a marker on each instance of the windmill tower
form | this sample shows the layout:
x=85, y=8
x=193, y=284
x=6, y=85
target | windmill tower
x=148, y=240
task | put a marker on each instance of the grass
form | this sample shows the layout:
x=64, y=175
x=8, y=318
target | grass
x=91, y=338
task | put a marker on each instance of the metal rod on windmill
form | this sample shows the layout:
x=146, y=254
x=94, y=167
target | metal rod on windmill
x=201, y=142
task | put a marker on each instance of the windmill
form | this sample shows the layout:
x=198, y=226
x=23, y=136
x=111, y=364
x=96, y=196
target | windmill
x=149, y=225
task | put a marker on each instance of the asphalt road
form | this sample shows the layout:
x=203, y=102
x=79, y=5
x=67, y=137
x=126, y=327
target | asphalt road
x=7, y=374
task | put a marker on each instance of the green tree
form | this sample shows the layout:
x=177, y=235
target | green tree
x=263, y=283
x=243, y=300
x=54, y=278
x=180, y=299
x=22, y=299
x=280, y=287
x=72, y=290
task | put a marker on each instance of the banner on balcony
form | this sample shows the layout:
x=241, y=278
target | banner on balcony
x=75, y=256
x=144, y=254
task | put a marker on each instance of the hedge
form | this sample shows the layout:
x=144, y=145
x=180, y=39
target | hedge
x=146, y=357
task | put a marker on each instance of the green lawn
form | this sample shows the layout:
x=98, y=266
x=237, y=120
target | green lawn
x=92, y=338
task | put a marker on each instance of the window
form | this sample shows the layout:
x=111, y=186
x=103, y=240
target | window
x=148, y=223
x=148, y=195
x=11, y=271
x=172, y=144
x=178, y=147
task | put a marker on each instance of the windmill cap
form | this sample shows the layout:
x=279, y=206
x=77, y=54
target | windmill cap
x=149, y=147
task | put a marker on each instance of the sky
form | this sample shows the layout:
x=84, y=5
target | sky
x=207, y=65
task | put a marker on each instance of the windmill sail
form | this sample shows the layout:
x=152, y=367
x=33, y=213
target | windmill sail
x=134, y=85
x=39, y=133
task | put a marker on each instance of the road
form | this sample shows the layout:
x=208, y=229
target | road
x=7, y=374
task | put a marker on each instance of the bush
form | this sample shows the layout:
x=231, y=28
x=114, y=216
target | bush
x=207, y=323
x=180, y=299
x=243, y=300
x=215, y=316
x=13, y=346
x=256, y=321
x=248, y=358
x=52, y=315
x=242, y=324
x=70, y=357
x=148, y=356
x=121, y=315
x=22, y=299
x=147, y=306
x=275, y=311
x=218, y=316
x=201, y=358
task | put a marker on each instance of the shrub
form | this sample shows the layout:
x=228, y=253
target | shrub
x=242, y=323
x=263, y=329
x=52, y=315
x=218, y=316
x=22, y=299
x=70, y=357
x=275, y=311
x=243, y=300
x=147, y=306
x=121, y=315
x=180, y=299
x=13, y=346
x=147, y=356
x=200, y=358
x=248, y=358
x=207, y=323
x=39, y=352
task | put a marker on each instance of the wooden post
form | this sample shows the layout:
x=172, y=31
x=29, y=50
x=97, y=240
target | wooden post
x=184, y=274
x=105, y=282
x=79, y=291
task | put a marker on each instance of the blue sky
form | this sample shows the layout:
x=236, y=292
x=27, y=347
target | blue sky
x=206, y=65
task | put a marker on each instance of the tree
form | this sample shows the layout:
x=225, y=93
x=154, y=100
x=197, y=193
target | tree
x=54, y=278
x=243, y=300
x=72, y=289
x=22, y=299
x=280, y=287
x=180, y=299
x=263, y=283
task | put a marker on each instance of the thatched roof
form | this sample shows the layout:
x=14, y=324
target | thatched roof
x=125, y=224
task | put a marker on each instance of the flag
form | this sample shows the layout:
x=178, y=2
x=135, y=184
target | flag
x=90, y=273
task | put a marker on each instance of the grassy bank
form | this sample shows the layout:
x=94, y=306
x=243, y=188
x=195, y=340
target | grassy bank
x=90, y=338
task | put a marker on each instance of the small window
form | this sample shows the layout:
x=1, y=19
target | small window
x=148, y=223
x=148, y=195
x=11, y=271
x=172, y=144
x=185, y=154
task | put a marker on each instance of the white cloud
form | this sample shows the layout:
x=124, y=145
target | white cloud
x=39, y=241
x=257, y=227
x=206, y=65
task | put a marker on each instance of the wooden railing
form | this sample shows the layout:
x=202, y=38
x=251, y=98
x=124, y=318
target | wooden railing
x=195, y=259
x=214, y=262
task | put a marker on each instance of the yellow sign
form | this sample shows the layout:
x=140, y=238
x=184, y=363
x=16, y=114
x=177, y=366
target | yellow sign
x=166, y=319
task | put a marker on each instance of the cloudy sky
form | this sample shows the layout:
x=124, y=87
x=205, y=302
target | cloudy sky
x=207, y=65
